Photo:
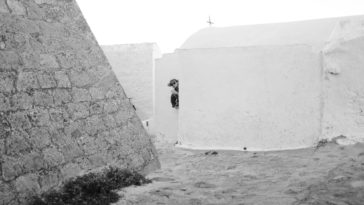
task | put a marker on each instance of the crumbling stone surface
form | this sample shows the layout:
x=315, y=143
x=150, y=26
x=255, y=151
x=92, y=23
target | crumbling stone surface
x=62, y=111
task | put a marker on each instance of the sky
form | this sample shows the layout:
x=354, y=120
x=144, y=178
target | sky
x=170, y=22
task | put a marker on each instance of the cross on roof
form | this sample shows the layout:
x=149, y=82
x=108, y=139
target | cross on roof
x=210, y=22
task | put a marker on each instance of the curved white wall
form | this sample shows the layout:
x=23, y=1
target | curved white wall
x=344, y=86
x=261, y=98
x=286, y=91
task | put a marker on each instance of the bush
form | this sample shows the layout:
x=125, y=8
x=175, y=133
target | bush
x=92, y=188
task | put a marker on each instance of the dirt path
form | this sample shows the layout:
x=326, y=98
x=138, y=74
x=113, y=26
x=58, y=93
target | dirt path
x=330, y=175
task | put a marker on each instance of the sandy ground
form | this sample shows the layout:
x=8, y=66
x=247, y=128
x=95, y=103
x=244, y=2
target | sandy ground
x=330, y=175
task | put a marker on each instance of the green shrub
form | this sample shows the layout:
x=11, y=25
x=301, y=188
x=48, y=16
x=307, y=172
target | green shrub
x=92, y=188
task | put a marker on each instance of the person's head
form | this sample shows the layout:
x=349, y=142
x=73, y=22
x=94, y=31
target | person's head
x=173, y=83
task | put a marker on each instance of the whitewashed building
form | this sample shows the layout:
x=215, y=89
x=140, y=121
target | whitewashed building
x=265, y=87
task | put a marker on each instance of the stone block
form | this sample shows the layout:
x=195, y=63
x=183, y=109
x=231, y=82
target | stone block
x=17, y=143
x=49, y=179
x=45, y=1
x=54, y=14
x=2, y=148
x=98, y=160
x=98, y=93
x=95, y=108
x=16, y=7
x=62, y=79
x=39, y=117
x=61, y=96
x=28, y=184
x=4, y=102
x=5, y=126
x=80, y=95
x=109, y=121
x=84, y=163
x=3, y=7
x=17, y=41
x=100, y=71
x=26, y=81
x=122, y=116
x=71, y=170
x=111, y=137
x=59, y=117
x=33, y=162
x=81, y=78
x=94, y=124
x=111, y=105
x=75, y=129
x=19, y=120
x=39, y=137
x=43, y=98
x=115, y=92
x=48, y=62
x=34, y=11
x=6, y=193
x=9, y=59
x=78, y=110
x=67, y=146
x=30, y=59
x=46, y=80
x=68, y=60
x=21, y=101
x=7, y=80
x=53, y=157
x=11, y=168
x=92, y=145
x=94, y=55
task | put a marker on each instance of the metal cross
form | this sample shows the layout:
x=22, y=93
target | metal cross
x=209, y=21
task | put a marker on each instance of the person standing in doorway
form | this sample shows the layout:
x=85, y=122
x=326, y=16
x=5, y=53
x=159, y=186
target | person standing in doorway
x=174, y=96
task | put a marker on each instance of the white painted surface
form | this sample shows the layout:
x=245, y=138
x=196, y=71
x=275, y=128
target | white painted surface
x=133, y=65
x=312, y=32
x=261, y=98
x=343, y=64
x=275, y=91
x=165, y=121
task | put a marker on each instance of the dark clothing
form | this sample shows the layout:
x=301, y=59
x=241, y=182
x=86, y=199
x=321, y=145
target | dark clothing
x=174, y=96
x=174, y=100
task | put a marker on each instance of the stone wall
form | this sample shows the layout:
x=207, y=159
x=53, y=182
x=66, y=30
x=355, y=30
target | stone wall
x=62, y=110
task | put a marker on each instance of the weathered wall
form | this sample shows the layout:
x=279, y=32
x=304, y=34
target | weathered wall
x=133, y=65
x=62, y=110
x=165, y=120
x=273, y=86
x=343, y=64
x=261, y=98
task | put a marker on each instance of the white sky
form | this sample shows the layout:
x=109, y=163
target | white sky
x=170, y=22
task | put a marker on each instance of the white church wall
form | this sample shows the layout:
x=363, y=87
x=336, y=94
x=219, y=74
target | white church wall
x=165, y=120
x=261, y=98
x=133, y=65
x=343, y=61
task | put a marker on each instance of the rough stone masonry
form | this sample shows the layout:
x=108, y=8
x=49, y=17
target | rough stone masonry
x=62, y=110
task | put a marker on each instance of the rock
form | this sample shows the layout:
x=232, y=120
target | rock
x=204, y=185
x=16, y=7
x=28, y=184
x=162, y=179
x=211, y=153
x=357, y=184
